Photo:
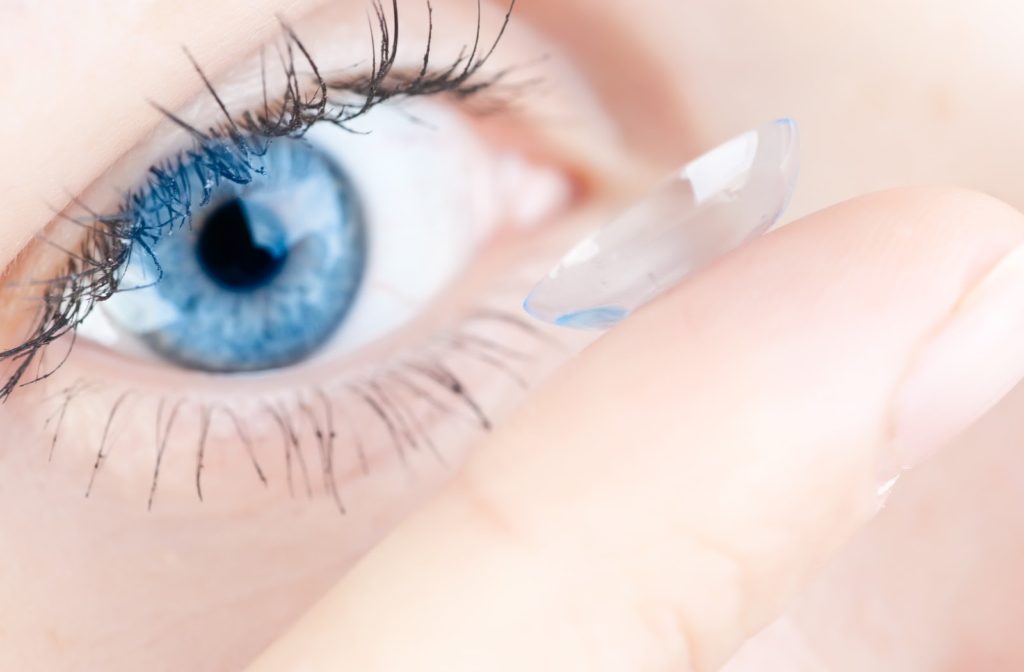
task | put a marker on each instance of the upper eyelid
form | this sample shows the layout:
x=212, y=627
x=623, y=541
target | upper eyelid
x=241, y=90
x=143, y=134
x=111, y=120
x=308, y=97
x=239, y=96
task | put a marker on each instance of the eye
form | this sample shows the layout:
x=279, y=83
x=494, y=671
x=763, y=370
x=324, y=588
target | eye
x=332, y=240
x=349, y=244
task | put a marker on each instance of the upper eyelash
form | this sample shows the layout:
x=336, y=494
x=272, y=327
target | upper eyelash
x=227, y=151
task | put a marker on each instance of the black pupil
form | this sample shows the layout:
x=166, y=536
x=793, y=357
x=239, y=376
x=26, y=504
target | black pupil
x=229, y=254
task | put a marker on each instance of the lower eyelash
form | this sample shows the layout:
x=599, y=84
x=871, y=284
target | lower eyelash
x=314, y=422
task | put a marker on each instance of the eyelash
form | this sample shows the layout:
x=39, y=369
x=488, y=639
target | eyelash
x=225, y=152
x=390, y=395
x=309, y=414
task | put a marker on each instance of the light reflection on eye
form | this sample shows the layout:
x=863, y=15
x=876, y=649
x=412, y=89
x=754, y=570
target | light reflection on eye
x=343, y=235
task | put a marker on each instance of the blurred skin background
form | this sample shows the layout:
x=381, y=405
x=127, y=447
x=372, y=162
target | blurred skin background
x=887, y=94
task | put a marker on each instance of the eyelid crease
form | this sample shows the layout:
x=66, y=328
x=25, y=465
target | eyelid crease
x=93, y=273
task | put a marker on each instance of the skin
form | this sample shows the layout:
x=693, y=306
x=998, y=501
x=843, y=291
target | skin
x=732, y=490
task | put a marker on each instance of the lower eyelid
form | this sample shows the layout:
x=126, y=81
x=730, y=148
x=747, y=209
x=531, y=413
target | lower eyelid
x=486, y=346
x=415, y=415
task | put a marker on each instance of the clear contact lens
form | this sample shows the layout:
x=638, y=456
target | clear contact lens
x=712, y=205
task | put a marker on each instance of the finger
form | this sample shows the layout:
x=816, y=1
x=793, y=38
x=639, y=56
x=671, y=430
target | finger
x=934, y=583
x=659, y=499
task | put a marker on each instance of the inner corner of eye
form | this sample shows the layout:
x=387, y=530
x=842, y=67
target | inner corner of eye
x=329, y=242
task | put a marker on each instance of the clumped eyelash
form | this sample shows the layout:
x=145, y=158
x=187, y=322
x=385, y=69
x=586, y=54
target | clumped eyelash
x=230, y=151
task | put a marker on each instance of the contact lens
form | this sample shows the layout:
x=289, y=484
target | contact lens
x=712, y=205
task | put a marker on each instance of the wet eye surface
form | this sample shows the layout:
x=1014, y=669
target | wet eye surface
x=263, y=275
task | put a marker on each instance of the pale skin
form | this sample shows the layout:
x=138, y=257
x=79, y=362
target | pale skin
x=722, y=515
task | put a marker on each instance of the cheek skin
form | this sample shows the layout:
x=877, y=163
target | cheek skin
x=116, y=575
x=228, y=574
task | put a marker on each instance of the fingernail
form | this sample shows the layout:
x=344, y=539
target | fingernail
x=973, y=361
x=712, y=205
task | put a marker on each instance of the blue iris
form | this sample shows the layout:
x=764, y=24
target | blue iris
x=265, y=274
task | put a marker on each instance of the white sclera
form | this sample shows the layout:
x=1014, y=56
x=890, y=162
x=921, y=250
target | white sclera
x=424, y=180
x=714, y=204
